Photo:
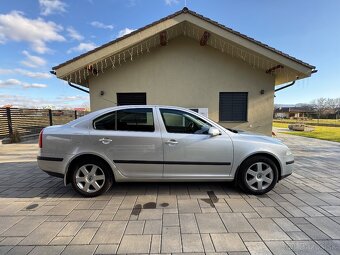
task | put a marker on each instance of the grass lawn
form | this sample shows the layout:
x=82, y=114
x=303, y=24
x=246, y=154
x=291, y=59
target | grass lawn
x=327, y=122
x=324, y=133
x=280, y=125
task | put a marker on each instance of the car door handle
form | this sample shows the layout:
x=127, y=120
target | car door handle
x=105, y=140
x=171, y=141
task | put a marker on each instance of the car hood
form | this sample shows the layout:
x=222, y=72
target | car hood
x=255, y=137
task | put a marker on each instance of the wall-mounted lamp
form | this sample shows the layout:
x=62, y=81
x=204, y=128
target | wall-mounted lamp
x=262, y=91
x=102, y=92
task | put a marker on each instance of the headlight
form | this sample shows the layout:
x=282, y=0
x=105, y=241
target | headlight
x=288, y=153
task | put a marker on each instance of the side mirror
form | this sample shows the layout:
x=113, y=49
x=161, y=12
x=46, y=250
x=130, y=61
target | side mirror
x=214, y=131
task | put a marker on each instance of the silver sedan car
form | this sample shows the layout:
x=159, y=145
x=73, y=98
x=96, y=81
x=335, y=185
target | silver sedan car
x=159, y=143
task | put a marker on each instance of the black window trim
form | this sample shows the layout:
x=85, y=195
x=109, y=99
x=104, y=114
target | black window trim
x=233, y=121
x=107, y=113
x=160, y=111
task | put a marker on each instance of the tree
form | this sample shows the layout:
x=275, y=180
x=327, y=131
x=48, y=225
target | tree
x=319, y=105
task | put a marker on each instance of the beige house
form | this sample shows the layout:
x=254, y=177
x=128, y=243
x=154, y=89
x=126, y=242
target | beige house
x=191, y=61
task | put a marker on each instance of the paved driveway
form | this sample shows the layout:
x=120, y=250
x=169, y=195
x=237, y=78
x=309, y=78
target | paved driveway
x=300, y=216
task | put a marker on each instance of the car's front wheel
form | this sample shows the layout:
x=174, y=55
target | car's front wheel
x=91, y=178
x=258, y=175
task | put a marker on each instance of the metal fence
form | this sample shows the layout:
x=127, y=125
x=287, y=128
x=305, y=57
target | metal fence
x=32, y=121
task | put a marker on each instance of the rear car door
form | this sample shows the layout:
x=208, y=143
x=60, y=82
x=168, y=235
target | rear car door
x=189, y=151
x=131, y=139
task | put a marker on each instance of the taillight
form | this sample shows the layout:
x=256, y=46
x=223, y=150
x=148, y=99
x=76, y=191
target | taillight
x=40, y=138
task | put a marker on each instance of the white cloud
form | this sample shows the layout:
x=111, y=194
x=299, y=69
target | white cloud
x=74, y=34
x=171, y=2
x=83, y=47
x=34, y=85
x=98, y=24
x=125, y=31
x=9, y=82
x=32, y=61
x=48, y=7
x=72, y=98
x=14, y=26
x=34, y=102
x=36, y=75
x=15, y=82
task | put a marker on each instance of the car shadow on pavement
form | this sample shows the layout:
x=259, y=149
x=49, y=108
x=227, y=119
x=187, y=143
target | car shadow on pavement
x=26, y=180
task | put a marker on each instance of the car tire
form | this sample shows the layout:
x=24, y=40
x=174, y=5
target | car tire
x=257, y=175
x=91, y=178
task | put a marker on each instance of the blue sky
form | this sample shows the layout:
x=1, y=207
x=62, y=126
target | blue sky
x=38, y=34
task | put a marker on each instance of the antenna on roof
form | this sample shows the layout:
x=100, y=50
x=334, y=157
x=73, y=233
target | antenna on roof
x=185, y=3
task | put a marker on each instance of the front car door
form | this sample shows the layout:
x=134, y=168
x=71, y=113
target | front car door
x=131, y=139
x=189, y=151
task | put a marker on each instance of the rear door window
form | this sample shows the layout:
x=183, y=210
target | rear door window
x=137, y=119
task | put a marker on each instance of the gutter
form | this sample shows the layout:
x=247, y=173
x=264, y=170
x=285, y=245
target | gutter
x=292, y=83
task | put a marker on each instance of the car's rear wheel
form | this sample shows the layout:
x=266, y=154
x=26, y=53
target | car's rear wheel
x=91, y=178
x=258, y=175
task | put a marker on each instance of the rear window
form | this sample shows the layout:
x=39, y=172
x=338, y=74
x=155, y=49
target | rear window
x=137, y=119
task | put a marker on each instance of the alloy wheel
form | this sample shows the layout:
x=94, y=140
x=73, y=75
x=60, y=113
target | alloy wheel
x=90, y=178
x=259, y=176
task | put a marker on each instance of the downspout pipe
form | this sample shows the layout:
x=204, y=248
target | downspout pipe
x=292, y=83
x=286, y=86
x=72, y=85
x=76, y=87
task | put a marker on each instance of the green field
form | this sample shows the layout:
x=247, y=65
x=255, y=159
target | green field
x=313, y=122
x=320, y=132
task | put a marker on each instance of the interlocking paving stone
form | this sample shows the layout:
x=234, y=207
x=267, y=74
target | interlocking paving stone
x=327, y=226
x=257, y=248
x=250, y=237
x=47, y=250
x=236, y=222
x=155, y=244
x=210, y=223
x=107, y=249
x=84, y=236
x=25, y=226
x=286, y=224
x=331, y=246
x=150, y=214
x=188, y=206
x=170, y=220
x=8, y=221
x=192, y=243
x=332, y=209
x=228, y=242
x=11, y=240
x=153, y=227
x=20, y=250
x=313, y=232
x=135, y=227
x=300, y=214
x=135, y=244
x=171, y=240
x=43, y=234
x=305, y=248
x=110, y=232
x=207, y=243
x=79, y=249
x=63, y=208
x=279, y=248
x=268, y=212
x=268, y=230
x=61, y=240
x=239, y=205
x=71, y=229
